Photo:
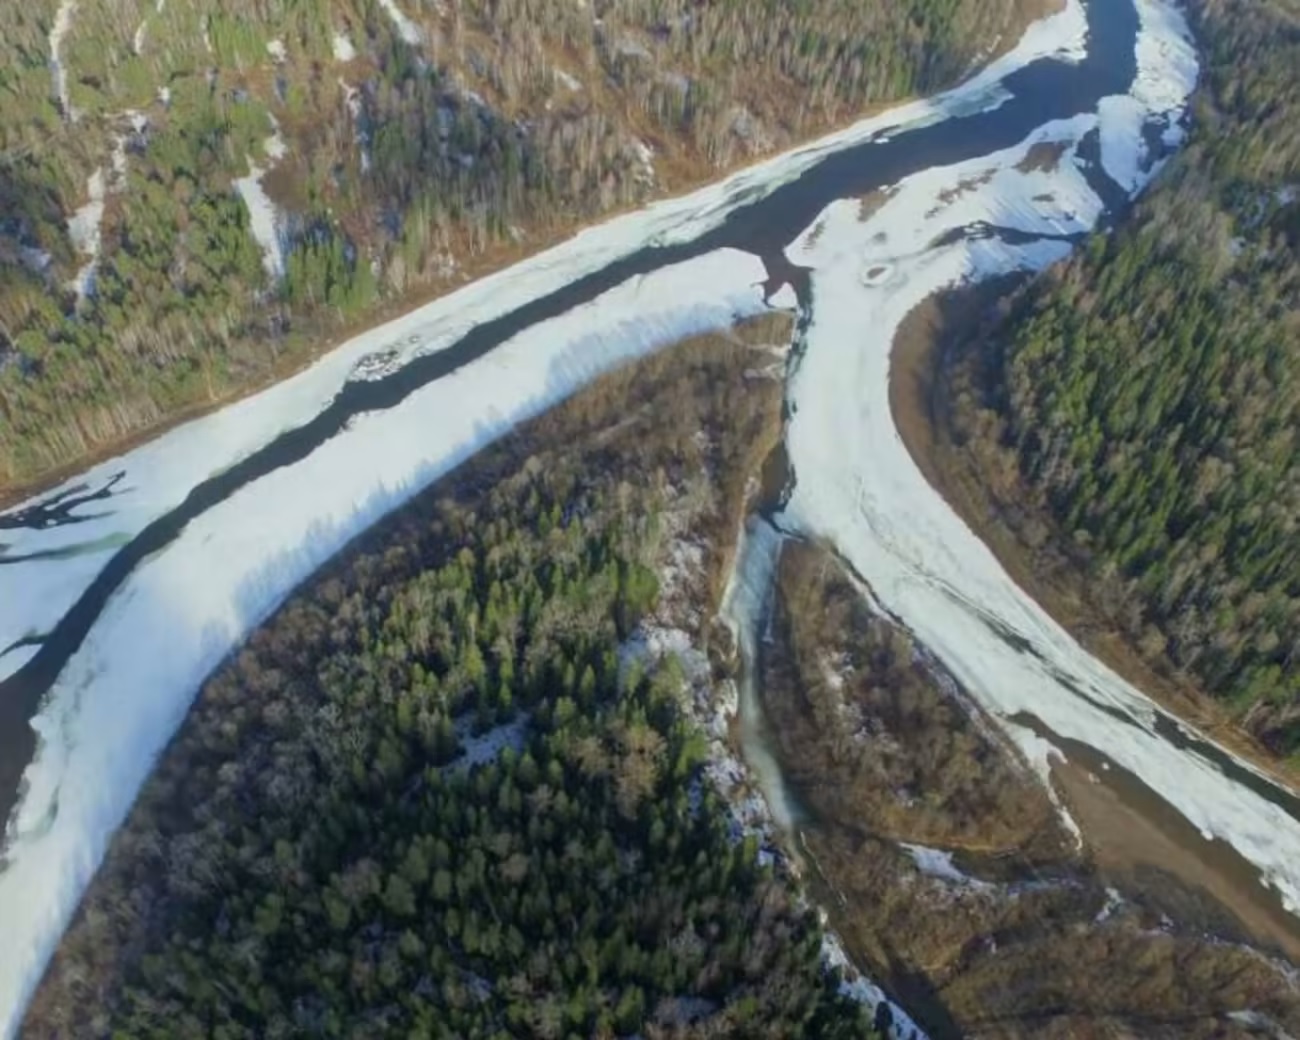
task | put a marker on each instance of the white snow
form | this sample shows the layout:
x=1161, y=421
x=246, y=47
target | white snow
x=1114, y=903
x=85, y=228
x=110, y=712
x=343, y=49
x=1166, y=75
x=264, y=219
x=62, y=25
x=407, y=30
x=938, y=864
x=113, y=708
x=644, y=156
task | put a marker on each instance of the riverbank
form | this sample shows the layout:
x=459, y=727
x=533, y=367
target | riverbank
x=1128, y=828
x=678, y=170
x=993, y=505
x=943, y=865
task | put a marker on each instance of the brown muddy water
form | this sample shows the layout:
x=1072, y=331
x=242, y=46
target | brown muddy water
x=1131, y=832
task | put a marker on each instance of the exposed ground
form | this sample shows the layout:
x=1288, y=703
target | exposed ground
x=941, y=861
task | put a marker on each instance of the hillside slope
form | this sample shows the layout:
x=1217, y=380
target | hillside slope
x=197, y=194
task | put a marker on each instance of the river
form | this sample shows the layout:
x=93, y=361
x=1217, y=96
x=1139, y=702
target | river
x=120, y=589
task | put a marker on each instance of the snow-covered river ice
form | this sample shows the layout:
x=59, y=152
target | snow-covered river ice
x=121, y=589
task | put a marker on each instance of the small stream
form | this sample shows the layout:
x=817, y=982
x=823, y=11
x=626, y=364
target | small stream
x=747, y=611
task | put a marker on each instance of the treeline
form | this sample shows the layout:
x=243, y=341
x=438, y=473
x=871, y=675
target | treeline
x=406, y=167
x=1149, y=390
x=429, y=798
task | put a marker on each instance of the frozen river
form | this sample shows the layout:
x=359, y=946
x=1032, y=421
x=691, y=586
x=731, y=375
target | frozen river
x=121, y=589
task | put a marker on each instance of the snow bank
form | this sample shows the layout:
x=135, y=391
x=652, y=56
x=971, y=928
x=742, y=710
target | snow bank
x=85, y=228
x=125, y=691
x=33, y=596
x=858, y=487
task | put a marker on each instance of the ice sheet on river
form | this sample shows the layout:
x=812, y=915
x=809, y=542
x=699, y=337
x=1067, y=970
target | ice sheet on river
x=158, y=475
x=858, y=487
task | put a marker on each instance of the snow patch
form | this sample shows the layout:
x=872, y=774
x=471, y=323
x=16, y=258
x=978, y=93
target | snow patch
x=264, y=219
x=85, y=228
x=343, y=49
x=407, y=30
x=58, y=31
x=938, y=864
x=1114, y=903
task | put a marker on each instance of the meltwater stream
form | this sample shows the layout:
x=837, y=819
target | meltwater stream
x=118, y=594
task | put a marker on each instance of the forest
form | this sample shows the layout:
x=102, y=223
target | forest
x=435, y=797
x=1146, y=393
x=405, y=147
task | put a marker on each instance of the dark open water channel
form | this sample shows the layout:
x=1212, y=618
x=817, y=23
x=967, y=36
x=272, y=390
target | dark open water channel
x=1045, y=90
